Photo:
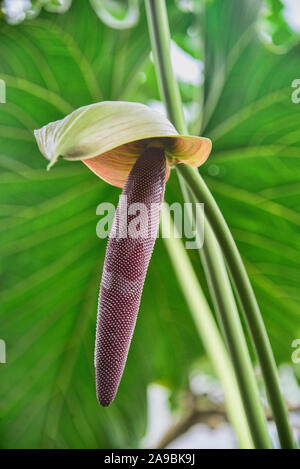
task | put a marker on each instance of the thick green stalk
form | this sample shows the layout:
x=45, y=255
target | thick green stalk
x=160, y=37
x=225, y=305
x=207, y=329
x=247, y=300
x=228, y=316
x=160, y=41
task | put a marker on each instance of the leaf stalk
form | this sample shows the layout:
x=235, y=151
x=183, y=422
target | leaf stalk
x=160, y=39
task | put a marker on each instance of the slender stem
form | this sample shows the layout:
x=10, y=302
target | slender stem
x=160, y=41
x=225, y=305
x=227, y=313
x=247, y=300
x=160, y=37
x=207, y=329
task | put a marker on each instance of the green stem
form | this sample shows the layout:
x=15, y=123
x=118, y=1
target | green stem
x=160, y=37
x=247, y=300
x=228, y=316
x=160, y=41
x=207, y=329
x=225, y=306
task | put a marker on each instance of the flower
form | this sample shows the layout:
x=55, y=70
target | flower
x=130, y=146
x=110, y=136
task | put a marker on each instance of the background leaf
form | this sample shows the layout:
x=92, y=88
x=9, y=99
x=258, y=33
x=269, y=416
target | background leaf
x=51, y=259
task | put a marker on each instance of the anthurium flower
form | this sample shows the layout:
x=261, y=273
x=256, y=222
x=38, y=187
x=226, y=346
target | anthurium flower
x=110, y=136
x=133, y=147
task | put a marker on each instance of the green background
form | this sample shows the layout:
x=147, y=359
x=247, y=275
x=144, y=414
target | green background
x=50, y=257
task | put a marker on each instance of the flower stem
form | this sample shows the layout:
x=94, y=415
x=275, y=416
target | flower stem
x=247, y=300
x=160, y=41
x=160, y=38
x=208, y=330
x=228, y=316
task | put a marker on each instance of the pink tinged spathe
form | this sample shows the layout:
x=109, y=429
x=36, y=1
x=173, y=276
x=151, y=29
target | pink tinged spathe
x=110, y=136
x=124, y=273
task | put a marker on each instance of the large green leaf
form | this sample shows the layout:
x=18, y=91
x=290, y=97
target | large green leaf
x=254, y=169
x=51, y=259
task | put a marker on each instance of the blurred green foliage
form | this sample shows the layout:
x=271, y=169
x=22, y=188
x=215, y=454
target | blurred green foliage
x=274, y=24
x=51, y=259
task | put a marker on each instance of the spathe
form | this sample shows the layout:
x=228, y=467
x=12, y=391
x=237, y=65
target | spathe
x=111, y=135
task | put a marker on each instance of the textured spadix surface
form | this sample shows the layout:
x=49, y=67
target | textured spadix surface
x=126, y=263
x=109, y=137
